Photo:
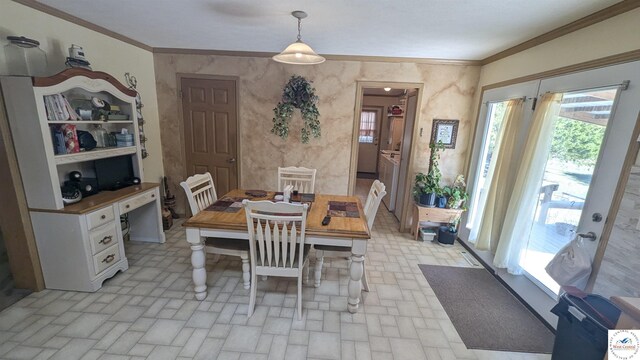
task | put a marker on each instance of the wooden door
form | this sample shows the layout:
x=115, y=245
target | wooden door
x=210, y=130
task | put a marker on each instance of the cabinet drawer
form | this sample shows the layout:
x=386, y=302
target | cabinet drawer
x=103, y=237
x=137, y=201
x=106, y=258
x=100, y=217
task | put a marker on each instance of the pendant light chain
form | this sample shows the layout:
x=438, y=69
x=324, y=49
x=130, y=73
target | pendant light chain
x=299, y=27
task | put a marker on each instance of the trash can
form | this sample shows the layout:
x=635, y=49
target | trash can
x=583, y=324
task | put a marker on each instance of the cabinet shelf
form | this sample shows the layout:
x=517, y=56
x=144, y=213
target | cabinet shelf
x=94, y=154
x=101, y=122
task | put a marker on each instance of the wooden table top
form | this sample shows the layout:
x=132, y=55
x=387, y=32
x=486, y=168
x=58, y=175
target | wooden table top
x=101, y=199
x=338, y=227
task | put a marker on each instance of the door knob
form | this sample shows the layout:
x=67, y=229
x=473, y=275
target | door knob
x=231, y=161
x=590, y=235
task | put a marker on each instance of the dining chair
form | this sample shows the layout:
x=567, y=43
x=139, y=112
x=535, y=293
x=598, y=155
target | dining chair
x=276, y=243
x=376, y=193
x=302, y=179
x=201, y=193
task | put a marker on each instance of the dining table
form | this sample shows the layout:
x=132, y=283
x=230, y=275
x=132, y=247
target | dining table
x=226, y=218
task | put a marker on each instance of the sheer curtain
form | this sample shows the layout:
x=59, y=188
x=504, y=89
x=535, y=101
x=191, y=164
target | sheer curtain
x=494, y=197
x=526, y=188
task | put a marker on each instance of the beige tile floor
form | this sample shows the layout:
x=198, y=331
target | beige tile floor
x=150, y=312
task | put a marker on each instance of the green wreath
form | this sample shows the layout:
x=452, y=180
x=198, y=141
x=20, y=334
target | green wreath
x=298, y=93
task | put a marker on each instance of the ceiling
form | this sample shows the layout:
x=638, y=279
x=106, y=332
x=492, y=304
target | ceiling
x=382, y=92
x=439, y=29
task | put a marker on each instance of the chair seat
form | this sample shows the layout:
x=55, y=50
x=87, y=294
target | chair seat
x=332, y=248
x=228, y=244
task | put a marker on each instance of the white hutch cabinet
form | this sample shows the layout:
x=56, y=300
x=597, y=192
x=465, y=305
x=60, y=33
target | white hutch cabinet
x=79, y=245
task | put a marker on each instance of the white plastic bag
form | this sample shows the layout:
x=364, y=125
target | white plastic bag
x=571, y=265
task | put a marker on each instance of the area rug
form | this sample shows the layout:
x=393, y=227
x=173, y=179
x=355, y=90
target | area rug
x=485, y=314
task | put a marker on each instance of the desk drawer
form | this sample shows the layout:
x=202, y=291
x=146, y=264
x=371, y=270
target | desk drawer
x=103, y=237
x=106, y=258
x=100, y=217
x=137, y=201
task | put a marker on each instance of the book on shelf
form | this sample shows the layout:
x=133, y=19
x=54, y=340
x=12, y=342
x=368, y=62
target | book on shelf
x=58, y=108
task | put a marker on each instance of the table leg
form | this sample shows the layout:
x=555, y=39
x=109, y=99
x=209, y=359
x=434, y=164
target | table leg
x=198, y=259
x=358, y=250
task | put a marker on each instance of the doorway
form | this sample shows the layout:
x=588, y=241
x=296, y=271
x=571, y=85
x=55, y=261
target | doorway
x=591, y=133
x=383, y=135
x=210, y=127
x=578, y=136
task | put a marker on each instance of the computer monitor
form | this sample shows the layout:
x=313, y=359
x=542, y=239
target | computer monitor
x=114, y=173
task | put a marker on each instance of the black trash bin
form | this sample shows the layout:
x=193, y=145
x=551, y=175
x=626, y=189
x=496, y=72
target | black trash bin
x=583, y=325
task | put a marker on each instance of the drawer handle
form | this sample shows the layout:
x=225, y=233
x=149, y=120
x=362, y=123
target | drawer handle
x=153, y=195
x=106, y=240
x=109, y=258
x=127, y=206
x=103, y=217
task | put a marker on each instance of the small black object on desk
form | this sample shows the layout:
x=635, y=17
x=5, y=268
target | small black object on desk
x=326, y=220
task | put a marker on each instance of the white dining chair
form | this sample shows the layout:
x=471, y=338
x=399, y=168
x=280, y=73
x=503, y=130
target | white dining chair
x=376, y=193
x=301, y=178
x=276, y=243
x=201, y=193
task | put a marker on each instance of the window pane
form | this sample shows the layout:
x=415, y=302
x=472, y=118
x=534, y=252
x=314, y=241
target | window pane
x=367, y=127
x=495, y=116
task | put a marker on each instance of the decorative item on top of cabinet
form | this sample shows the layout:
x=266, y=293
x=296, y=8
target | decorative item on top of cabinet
x=133, y=84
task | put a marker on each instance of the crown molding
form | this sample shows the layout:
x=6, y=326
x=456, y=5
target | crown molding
x=388, y=59
x=604, y=14
x=78, y=21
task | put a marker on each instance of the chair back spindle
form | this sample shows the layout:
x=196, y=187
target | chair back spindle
x=301, y=178
x=276, y=232
x=200, y=191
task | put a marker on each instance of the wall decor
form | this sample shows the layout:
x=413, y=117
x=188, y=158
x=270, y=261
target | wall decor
x=445, y=131
x=133, y=83
x=299, y=94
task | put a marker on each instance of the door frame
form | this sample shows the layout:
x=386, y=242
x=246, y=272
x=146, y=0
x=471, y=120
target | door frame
x=379, y=110
x=183, y=156
x=353, y=166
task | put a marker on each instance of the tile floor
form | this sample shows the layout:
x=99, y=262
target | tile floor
x=150, y=312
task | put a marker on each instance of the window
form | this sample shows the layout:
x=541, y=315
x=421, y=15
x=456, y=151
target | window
x=367, y=127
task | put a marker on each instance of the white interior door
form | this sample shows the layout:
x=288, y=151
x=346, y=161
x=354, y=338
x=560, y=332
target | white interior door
x=597, y=115
x=368, y=140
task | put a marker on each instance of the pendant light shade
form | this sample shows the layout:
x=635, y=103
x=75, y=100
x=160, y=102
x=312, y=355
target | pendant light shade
x=299, y=53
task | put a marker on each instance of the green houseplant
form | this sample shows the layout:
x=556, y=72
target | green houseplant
x=298, y=94
x=457, y=194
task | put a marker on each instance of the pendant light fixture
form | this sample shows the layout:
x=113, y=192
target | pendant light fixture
x=299, y=53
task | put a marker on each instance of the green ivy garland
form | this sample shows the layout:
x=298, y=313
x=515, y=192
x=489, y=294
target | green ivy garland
x=298, y=93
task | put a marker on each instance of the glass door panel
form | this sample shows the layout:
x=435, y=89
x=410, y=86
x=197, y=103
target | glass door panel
x=578, y=135
x=495, y=115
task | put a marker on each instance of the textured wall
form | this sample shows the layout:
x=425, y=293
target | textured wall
x=448, y=94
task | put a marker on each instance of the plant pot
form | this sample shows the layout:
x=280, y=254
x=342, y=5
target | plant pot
x=428, y=200
x=441, y=201
x=445, y=236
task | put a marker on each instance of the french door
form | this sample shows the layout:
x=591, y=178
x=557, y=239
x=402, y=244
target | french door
x=591, y=136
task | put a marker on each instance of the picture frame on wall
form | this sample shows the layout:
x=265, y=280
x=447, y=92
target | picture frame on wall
x=445, y=131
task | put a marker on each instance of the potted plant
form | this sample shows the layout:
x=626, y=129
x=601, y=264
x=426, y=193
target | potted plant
x=422, y=190
x=457, y=194
x=448, y=234
x=441, y=197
